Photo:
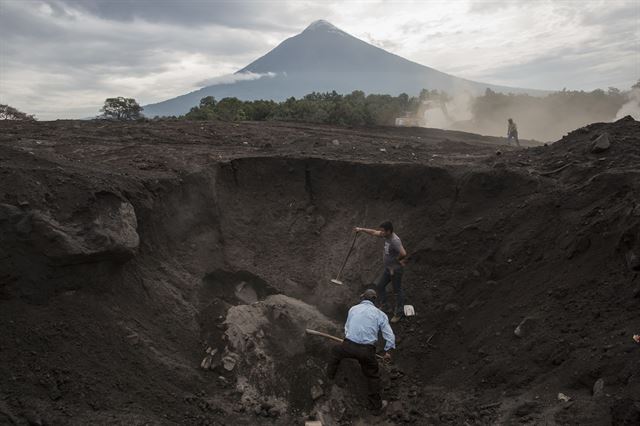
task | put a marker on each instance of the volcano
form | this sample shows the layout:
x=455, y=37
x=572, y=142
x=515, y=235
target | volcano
x=323, y=58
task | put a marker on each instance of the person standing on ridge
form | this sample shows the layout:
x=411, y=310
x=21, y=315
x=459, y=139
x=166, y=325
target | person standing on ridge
x=512, y=132
x=361, y=330
x=393, y=259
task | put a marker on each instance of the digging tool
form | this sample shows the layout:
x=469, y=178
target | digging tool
x=336, y=280
x=328, y=336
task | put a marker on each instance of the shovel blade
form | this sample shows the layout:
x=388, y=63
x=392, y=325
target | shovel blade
x=409, y=311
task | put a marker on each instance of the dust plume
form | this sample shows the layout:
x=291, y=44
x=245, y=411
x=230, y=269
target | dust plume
x=632, y=107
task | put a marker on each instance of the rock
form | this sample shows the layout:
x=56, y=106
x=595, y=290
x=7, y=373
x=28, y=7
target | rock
x=451, y=308
x=633, y=261
x=525, y=327
x=395, y=408
x=598, y=388
x=316, y=392
x=33, y=418
x=601, y=143
x=229, y=363
x=564, y=398
x=206, y=362
x=498, y=152
x=274, y=412
x=133, y=339
x=335, y=142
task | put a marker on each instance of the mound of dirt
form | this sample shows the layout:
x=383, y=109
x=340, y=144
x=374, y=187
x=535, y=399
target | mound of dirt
x=164, y=272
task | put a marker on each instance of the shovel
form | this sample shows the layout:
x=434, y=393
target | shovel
x=336, y=280
x=328, y=336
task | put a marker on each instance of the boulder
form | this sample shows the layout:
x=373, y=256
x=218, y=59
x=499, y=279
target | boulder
x=107, y=230
x=525, y=327
x=268, y=338
x=316, y=392
x=601, y=143
x=598, y=388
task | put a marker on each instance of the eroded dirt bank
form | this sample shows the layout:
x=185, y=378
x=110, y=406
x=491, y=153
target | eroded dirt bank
x=133, y=253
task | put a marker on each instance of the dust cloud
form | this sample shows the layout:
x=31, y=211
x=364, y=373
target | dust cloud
x=632, y=107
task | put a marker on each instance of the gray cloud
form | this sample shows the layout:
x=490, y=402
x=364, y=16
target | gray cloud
x=61, y=58
x=235, y=14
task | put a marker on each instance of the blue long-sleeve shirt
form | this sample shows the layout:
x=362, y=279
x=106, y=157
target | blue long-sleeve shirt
x=363, y=323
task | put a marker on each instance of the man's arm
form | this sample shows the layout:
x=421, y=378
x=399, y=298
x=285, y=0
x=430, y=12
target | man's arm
x=387, y=333
x=403, y=254
x=347, y=323
x=373, y=232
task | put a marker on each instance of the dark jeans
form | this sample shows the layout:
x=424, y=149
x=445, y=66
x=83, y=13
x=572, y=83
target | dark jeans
x=366, y=356
x=396, y=281
x=513, y=135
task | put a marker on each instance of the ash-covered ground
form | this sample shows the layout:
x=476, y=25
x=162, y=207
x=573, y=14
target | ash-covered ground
x=164, y=273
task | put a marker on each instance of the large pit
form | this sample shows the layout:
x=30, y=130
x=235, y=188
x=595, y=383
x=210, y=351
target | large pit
x=183, y=298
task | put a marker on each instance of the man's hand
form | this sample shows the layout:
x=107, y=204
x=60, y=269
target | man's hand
x=403, y=261
x=356, y=229
x=636, y=337
x=387, y=357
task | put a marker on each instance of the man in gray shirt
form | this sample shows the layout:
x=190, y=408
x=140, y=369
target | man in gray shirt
x=393, y=259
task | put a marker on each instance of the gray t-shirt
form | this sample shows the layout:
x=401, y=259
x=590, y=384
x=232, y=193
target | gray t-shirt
x=391, y=252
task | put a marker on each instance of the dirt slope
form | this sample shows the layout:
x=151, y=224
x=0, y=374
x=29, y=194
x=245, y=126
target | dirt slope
x=128, y=250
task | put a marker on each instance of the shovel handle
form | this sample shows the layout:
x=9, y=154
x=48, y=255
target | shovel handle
x=328, y=336
x=320, y=333
x=353, y=243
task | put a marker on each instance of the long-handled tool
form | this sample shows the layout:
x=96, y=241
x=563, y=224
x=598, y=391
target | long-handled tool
x=336, y=280
x=328, y=336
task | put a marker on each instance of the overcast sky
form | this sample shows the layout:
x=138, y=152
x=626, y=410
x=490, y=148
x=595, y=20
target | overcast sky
x=62, y=58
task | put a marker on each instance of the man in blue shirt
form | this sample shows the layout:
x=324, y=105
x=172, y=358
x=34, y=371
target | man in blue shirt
x=364, y=322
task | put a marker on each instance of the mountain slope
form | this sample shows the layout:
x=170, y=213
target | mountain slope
x=325, y=58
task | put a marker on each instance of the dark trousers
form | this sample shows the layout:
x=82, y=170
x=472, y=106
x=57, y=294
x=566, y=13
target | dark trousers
x=366, y=356
x=396, y=282
x=513, y=135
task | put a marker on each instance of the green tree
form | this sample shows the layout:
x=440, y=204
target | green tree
x=208, y=102
x=10, y=113
x=230, y=109
x=121, y=108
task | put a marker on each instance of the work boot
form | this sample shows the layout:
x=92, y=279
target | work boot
x=383, y=407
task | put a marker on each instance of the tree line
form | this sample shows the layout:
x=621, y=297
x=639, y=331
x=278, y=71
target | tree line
x=543, y=117
x=354, y=109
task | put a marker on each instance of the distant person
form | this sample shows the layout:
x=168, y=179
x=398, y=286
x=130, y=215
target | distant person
x=393, y=260
x=512, y=132
x=361, y=330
